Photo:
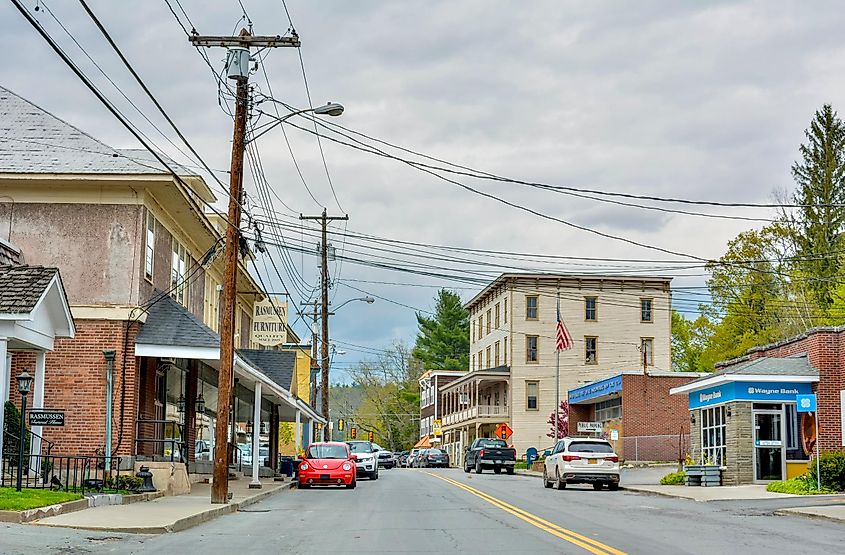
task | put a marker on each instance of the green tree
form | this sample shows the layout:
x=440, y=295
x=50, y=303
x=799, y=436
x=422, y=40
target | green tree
x=820, y=196
x=443, y=341
x=689, y=342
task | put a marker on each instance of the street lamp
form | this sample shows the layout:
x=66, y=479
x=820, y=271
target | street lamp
x=330, y=109
x=368, y=300
x=24, y=385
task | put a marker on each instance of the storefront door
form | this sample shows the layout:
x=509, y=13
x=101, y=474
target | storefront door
x=768, y=445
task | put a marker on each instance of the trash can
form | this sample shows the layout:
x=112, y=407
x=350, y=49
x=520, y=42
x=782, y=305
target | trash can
x=287, y=466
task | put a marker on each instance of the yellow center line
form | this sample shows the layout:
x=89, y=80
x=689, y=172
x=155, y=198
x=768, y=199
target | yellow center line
x=584, y=542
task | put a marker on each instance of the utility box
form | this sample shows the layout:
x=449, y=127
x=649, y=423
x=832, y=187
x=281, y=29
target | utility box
x=237, y=63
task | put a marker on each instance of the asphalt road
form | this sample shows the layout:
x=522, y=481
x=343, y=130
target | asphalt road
x=447, y=511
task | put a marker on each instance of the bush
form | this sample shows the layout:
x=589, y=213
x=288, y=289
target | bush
x=124, y=482
x=12, y=425
x=800, y=485
x=674, y=479
x=832, y=466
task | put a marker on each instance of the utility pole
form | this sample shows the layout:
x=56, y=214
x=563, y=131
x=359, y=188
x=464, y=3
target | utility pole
x=312, y=384
x=238, y=61
x=324, y=348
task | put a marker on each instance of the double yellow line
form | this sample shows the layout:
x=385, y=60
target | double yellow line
x=589, y=544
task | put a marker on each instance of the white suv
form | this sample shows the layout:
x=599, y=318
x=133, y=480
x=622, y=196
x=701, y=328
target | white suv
x=366, y=458
x=582, y=460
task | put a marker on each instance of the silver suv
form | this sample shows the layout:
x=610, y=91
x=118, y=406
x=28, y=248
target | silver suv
x=582, y=460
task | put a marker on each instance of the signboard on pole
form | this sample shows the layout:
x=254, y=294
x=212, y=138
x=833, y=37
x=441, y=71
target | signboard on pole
x=46, y=417
x=503, y=431
x=589, y=427
x=807, y=403
x=436, y=428
x=269, y=322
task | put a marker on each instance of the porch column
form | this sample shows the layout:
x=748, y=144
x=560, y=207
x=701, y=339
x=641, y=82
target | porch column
x=256, y=430
x=5, y=376
x=37, y=403
x=274, y=438
x=297, y=434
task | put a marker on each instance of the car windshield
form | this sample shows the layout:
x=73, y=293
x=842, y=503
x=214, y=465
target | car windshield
x=590, y=447
x=327, y=452
x=492, y=443
x=361, y=447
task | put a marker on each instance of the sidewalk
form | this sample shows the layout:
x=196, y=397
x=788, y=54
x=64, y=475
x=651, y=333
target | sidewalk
x=829, y=512
x=717, y=493
x=165, y=514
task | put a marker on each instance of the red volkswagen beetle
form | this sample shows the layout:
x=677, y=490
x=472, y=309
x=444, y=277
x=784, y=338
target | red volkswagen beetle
x=327, y=464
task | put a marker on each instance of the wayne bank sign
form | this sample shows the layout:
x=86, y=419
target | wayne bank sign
x=748, y=391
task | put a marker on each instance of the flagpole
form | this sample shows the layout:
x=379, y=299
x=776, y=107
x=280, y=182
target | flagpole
x=557, y=379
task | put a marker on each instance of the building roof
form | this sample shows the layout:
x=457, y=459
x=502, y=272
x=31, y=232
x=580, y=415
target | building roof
x=276, y=365
x=21, y=287
x=794, y=368
x=168, y=323
x=34, y=141
x=10, y=254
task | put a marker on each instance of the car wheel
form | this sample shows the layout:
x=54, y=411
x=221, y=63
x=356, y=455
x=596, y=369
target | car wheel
x=478, y=469
x=375, y=474
x=510, y=470
x=352, y=484
x=613, y=486
x=597, y=486
x=467, y=468
x=559, y=482
x=497, y=470
x=546, y=482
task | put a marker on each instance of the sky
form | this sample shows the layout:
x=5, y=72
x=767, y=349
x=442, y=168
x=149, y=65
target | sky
x=695, y=100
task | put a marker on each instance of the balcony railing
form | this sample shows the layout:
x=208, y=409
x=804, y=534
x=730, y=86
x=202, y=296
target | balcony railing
x=478, y=411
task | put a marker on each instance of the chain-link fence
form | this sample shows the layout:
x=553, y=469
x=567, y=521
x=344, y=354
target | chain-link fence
x=655, y=448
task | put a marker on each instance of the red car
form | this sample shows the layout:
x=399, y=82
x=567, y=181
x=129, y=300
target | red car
x=327, y=464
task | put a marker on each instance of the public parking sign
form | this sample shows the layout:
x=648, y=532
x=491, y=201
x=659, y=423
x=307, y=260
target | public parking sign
x=44, y=417
x=806, y=403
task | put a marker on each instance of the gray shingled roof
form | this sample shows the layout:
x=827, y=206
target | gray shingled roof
x=21, y=287
x=34, y=141
x=276, y=365
x=769, y=366
x=168, y=323
x=10, y=255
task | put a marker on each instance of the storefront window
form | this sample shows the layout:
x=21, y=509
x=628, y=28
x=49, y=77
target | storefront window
x=713, y=435
x=796, y=446
x=608, y=410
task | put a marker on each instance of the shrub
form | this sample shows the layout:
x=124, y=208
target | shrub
x=800, y=485
x=674, y=479
x=832, y=466
x=124, y=482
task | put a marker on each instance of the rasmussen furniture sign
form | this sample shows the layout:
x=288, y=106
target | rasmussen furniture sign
x=269, y=322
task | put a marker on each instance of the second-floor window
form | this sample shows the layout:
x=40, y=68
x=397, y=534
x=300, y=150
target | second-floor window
x=531, y=345
x=590, y=309
x=647, y=351
x=489, y=320
x=505, y=350
x=212, y=303
x=505, y=311
x=488, y=356
x=496, y=321
x=531, y=302
x=591, y=350
x=480, y=327
x=149, y=247
x=532, y=393
x=480, y=360
x=646, y=310
x=496, y=356
x=473, y=363
x=179, y=274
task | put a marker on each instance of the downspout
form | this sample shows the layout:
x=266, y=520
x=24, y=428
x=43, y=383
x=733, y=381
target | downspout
x=109, y=356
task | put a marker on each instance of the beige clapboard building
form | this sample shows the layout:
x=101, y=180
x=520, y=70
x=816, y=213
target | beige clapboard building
x=617, y=323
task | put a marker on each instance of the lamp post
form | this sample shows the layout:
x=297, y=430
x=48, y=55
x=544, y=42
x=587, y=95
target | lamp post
x=330, y=109
x=24, y=385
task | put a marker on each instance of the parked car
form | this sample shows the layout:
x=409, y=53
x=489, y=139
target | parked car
x=433, y=458
x=412, y=457
x=402, y=459
x=366, y=458
x=489, y=453
x=327, y=464
x=581, y=460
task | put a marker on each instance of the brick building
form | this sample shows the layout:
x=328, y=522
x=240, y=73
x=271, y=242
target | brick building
x=636, y=413
x=139, y=256
x=745, y=418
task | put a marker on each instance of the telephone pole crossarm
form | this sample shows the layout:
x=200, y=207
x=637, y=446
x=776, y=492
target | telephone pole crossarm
x=245, y=41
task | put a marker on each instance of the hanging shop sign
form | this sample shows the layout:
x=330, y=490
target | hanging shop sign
x=436, y=427
x=269, y=322
x=46, y=417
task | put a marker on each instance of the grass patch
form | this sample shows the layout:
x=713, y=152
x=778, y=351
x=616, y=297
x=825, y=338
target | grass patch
x=11, y=500
x=800, y=485
x=520, y=465
x=674, y=479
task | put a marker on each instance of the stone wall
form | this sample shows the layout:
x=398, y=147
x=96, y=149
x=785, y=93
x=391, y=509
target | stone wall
x=739, y=445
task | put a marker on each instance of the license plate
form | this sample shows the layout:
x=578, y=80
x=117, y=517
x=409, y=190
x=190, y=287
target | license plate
x=497, y=462
x=325, y=476
x=592, y=461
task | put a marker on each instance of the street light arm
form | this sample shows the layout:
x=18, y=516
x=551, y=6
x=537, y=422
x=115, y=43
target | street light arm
x=368, y=300
x=330, y=109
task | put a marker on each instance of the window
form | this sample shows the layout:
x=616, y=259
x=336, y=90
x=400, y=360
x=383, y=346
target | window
x=480, y=326
x=489, y=319
x=647, y=351
x=590, y=312
x=488, y=356
x=531, y=392
x=473, y=362
x=179, y=274
x=496, y=355
x=505, y=351
x=506, y=311
x=713, y=435
x=646, y=310
x=531, y=307
x=497, y=322
x=480, y=360
x=149, y=247
x=531, y=343
x=591, y=350
x=212, y=303
x=608, y=410
x=473, y=332
x=795, y=440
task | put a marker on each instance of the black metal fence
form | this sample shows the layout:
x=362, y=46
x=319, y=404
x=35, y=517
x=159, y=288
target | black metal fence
x=161, y=438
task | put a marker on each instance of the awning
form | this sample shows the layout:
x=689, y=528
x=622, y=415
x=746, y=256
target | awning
x=424, y=443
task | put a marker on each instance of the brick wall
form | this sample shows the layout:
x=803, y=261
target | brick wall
x=75, y=381
x=648, y=409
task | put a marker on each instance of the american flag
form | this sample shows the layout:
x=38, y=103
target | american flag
x=563, y=341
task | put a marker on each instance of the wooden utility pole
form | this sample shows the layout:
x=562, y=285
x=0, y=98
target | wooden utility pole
x=238, y=69
x=312, y=391
x=324, y=348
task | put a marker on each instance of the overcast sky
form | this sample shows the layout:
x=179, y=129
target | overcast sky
x=700, y=100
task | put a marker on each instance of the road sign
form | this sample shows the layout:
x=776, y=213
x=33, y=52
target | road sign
x=353, y=433
x=46, y=417
x=589, y=427
x=503, y=431
x=805, y=403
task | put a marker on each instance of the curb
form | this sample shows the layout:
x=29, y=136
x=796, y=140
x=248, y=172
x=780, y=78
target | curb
x=20, y=517
x=799, y=512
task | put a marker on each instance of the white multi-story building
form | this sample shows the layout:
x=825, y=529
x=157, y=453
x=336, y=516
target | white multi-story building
x=617, y=323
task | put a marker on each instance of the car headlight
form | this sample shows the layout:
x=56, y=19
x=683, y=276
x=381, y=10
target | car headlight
x=303, y=466
x=347, y=466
